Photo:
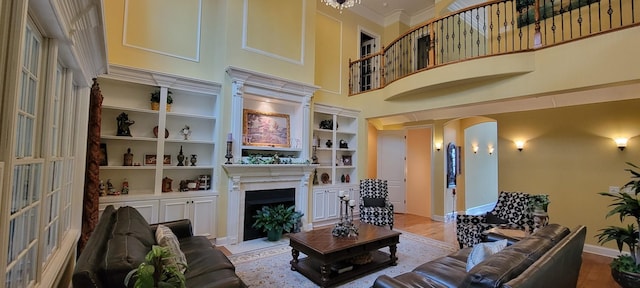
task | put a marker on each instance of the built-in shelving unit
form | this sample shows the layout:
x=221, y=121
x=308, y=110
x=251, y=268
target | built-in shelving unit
x=157, y=138
x=334, y=144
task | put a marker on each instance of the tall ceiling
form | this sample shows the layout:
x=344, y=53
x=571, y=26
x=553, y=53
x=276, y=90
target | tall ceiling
x=384, y=12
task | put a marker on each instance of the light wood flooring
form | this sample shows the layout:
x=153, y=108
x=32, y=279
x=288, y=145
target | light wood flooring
x=594, y=273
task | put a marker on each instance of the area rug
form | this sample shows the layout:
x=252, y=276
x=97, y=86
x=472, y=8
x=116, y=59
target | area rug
x=269, y=267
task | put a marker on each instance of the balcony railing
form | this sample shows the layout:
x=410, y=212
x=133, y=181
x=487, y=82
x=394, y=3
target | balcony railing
x=489, y=29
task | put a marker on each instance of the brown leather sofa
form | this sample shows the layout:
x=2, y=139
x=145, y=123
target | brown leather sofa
x=122, y=239
x=549, y=258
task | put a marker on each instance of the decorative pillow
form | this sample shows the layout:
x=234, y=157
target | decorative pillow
x=483, y=250
x=166, y=238
x=373, y=202
x=494, y=219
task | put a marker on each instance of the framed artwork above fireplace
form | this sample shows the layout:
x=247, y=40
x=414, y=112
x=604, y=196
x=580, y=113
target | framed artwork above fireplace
x=265, y=129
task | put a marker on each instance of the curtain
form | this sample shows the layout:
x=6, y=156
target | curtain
x=91, y=195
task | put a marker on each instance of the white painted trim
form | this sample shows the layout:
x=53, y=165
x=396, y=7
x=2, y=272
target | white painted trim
x=480, y=209
x=376, y=37
x=198, y=31
x=339, y=92
x=300, y=61
x=602, y=251
x=438, y=218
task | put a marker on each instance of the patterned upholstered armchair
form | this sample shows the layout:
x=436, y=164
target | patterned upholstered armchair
x=510, y=210
x=375, y=207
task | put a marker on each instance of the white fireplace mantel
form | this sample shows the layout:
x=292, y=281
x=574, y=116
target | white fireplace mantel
x=271, y=93
x=260, y=171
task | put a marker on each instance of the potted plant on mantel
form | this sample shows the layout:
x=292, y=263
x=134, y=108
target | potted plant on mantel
x=625, y=269
x=155, y=100
x=275, y=219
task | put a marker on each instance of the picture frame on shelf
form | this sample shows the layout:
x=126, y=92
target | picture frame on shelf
x=151, y=159
x=104, y=160
x=346, y=160
x=266, y=129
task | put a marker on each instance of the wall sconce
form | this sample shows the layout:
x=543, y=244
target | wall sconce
x=475, y=149
x=621, y=142
x=438, y=146
x=520, y=145
x=490, y=150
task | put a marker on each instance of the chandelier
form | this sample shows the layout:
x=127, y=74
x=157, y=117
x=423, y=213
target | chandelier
x=340, y=4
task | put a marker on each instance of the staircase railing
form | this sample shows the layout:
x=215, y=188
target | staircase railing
x=489, y=29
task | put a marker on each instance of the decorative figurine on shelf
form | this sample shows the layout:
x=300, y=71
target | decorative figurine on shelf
x=125, y=186
x=180, y=157
x=128, y=158
x=205, y=182
x=315, y=177
x=110, y=189
x=347, y=178
x=229, y=154
x=183, y=186
x=186, y=132
x=102, y=189
x=343, y=178
x=123, y=124
x=166, y=184
x=343, y=144
x=314, y=158
x=194, y=159
x=326, y=124
x=276, y=158
x=329, y=143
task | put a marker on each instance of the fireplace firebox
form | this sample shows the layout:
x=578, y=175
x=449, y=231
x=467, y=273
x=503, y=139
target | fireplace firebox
x=254, y=200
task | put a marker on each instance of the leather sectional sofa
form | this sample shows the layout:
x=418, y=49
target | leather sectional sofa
x=122, y=239
x=551, y=257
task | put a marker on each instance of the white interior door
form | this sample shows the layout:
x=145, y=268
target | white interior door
x=391, y=166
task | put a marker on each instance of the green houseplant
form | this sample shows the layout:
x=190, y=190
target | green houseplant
x=538, y=203
x=154, y=272
x=155, y=100
x=625, y=269
x=275, y=219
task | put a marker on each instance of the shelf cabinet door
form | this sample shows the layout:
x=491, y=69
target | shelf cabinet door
x=325, y=204
x=149, y=209
x=319, y=205
x=203, y=213
x=333, y=207
x=174, y=209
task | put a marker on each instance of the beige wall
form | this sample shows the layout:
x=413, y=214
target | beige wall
x=372, y=152
x=418, y=184
x=480, y=170
x=570, y=155
x=165, y=38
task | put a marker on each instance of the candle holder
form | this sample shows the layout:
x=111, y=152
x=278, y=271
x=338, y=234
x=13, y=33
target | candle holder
x=346, y=227
x=229, y=156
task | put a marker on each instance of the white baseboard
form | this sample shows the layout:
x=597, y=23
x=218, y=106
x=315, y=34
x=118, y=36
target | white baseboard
x=221, y=241
x=478, y=210
x=602, y=251
x=438, y=218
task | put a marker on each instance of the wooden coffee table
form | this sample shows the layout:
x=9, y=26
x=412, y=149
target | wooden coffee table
x=323, y=251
